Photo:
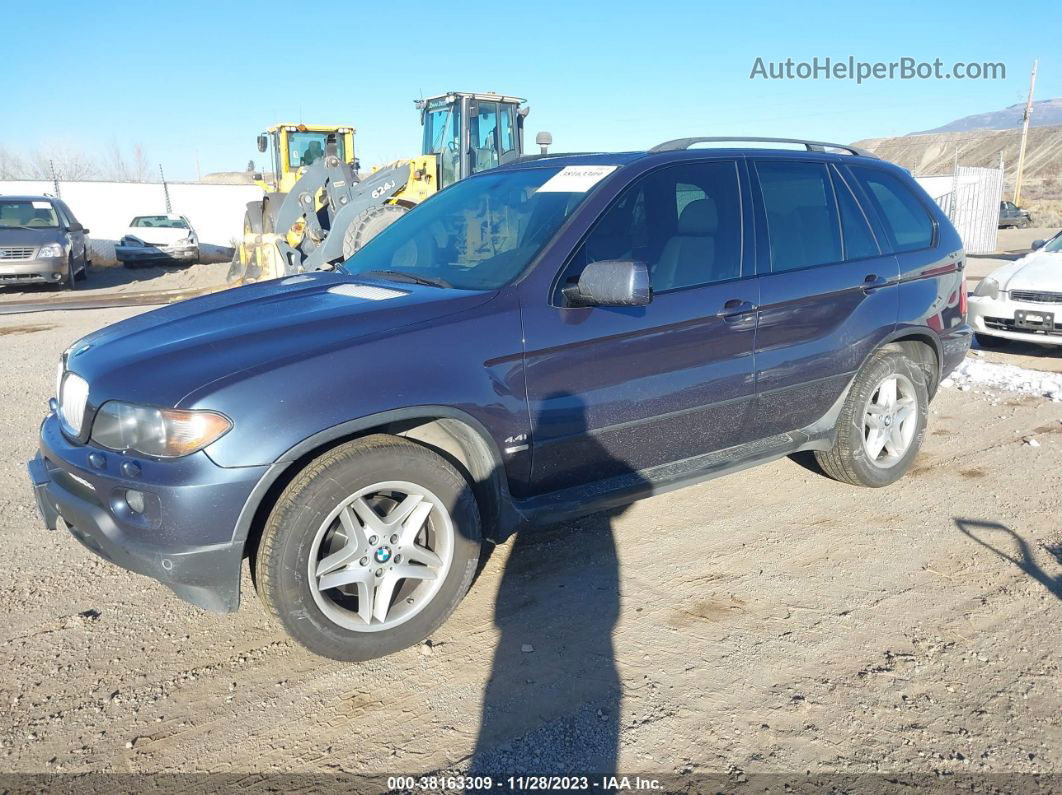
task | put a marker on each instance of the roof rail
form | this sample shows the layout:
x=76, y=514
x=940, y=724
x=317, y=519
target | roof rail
x=811, y=146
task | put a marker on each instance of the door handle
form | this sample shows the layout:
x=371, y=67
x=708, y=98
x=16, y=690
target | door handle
x=873, y=281
x=735, y=308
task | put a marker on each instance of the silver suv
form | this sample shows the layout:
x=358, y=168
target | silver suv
x=41, y=241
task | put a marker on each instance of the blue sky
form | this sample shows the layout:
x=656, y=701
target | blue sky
x=200, y=78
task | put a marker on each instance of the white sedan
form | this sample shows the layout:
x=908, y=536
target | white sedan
x=158, y=237
x=1023, y=299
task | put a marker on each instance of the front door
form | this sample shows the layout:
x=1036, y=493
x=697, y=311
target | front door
x=616, y=390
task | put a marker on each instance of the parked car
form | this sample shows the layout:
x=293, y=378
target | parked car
x=1022, y=300
x=41, y=241
x=537, y=342
x=1011, y=214
x=158, y=238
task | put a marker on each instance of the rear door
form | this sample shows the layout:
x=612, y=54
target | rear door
x=828, y=290
x=931, y=270
x=614, y=390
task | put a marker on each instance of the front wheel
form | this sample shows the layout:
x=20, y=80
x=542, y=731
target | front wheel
x=69, y=280
x=882, y=422
x=369, y=549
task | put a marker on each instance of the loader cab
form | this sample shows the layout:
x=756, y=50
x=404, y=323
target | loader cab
x=293, y=146
x=469, y=133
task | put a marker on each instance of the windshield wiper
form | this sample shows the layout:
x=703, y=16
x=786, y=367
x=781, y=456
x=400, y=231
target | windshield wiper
x=402, y=276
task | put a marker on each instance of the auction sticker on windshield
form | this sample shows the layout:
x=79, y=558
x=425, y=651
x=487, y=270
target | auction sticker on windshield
x=575, y=179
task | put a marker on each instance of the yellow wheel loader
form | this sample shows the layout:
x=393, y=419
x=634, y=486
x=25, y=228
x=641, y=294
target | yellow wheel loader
x=318, y=211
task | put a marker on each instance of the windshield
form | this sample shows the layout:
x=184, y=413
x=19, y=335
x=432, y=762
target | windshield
x=160, y=222
x=30, y=214
x=304, y=148
x=1054, y=245
x=478, y=235
x=442, y=136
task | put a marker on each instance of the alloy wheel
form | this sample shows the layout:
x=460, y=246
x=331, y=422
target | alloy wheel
x=380, y=556
x=890, y=420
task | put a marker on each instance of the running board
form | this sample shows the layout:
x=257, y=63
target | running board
x=559, y=506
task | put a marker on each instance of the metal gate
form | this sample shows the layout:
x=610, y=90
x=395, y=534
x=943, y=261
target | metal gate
x=972, y=204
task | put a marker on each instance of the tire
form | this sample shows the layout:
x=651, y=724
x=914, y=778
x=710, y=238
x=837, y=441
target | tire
x=849, y=460
x=69, y=281
x=368, y=224
x=309, y=523
x=988, y=341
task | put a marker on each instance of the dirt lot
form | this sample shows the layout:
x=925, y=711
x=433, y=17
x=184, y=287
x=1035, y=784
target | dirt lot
x=770, y=621
x=113, y=280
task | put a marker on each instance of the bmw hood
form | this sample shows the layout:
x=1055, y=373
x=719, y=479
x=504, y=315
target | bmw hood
x=164, y=356
x=1040, y=270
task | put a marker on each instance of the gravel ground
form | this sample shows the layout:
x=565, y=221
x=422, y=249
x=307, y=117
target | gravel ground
x=769, y=621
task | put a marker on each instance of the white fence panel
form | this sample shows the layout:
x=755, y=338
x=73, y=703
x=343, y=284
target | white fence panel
x=216, y=211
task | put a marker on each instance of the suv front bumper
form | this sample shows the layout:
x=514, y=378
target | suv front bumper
x=185, y=536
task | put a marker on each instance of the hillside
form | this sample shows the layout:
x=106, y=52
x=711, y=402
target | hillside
x=937, y=153
x=1046, y=112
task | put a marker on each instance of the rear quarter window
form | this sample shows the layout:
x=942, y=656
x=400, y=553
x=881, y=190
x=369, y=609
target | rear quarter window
x=908, y=225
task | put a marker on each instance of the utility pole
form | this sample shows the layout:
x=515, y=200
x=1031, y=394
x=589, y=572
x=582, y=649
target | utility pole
x=165, y=190
x=1024, y=136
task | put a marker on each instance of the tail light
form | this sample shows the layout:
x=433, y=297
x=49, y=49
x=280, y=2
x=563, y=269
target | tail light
x=964, y=298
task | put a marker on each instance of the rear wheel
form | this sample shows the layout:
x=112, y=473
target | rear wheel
x=369, y=224
x=882, y=422
x=369, y=549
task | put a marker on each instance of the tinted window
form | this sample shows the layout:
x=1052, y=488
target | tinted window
x=907, y=224
x=859, y=242
x=683, y=222
x=801, y=215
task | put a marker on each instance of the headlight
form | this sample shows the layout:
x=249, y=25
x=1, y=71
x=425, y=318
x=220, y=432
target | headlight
x=73, y=395
x=162, y=433
x=988, y=288
x=51, y=250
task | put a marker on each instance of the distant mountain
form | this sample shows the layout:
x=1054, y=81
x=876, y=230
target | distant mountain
x=938, y=153
x=1045, y=112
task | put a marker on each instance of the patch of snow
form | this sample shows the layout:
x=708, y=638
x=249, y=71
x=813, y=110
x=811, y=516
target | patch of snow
x=977, y=372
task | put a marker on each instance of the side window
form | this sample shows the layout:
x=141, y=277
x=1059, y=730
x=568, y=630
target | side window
x=682, y=221
x=64, y=214
x=684, y=194
x=907, y=223
x=859, y=241
x=801, y=214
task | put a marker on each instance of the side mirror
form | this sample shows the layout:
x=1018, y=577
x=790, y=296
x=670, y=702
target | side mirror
x=1038, y=244
x=263, y=143
x=76, y=227
x=611, y=282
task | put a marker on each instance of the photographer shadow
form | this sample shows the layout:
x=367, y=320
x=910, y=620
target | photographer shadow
x=552, y=702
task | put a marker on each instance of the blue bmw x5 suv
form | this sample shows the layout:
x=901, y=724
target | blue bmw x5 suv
x=543, y=340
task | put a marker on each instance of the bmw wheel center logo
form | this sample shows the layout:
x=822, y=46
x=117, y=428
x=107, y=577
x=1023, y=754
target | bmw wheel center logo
x=383, y=554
